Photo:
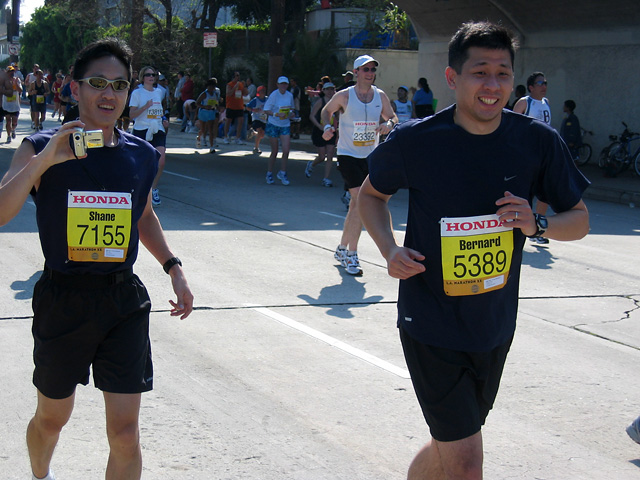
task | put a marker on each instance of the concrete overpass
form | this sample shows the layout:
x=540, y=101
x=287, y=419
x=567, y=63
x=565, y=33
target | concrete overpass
x=588, y=49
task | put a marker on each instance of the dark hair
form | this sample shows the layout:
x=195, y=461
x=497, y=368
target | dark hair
x=106, y=47
x=483, y=35
x=212, y=81
x=570, y=104
x=521, y=91
x=423, y=84
x=532, y=78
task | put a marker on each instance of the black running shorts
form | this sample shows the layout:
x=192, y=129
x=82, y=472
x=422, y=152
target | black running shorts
x=353, y=170
x=81, y=322
x=456, y=390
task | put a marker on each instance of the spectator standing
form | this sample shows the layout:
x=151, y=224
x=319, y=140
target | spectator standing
x=326, y=148
x=347, y=81
x=234, y=102
x=164, y=84
x=423, y=100
x=570, y=130
x=477, y=164
x=146, y=108
x=279, y=110
x=360, y=107
x=295, y=121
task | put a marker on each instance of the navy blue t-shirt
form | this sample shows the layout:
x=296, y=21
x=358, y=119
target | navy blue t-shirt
x=127, y=168
x=451, y=173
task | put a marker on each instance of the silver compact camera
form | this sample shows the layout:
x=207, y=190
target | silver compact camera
x=82, y=140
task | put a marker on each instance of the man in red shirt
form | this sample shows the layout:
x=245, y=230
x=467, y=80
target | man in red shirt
x=236, y=89
x=187, y=89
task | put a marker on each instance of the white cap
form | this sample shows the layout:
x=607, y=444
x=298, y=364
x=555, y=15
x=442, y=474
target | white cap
x=328, y=85
x=363, y=60
x=283, y=79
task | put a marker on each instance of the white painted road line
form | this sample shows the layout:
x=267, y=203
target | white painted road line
x=401, y=372
x=333, y=215
x=183, y=176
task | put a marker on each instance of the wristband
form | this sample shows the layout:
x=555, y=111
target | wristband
x=170, y=263
x=327, y=127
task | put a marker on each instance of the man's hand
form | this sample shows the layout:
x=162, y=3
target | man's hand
x=516, y=212
x=328, y=133
x=403, y=262
x=183, y=306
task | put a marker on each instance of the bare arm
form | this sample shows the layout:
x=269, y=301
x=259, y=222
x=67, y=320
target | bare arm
x=135, y=112
x=27, y=168
x=374, y=212
x=572, y=224
x=388, y=114
x=312, y=115
x=520, y=106
x=152, y=237
x=337, y=103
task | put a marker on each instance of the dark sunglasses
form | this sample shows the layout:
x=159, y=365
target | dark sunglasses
x=367, y=69
x=149, y=74
x=100, y=83
x=540, y=83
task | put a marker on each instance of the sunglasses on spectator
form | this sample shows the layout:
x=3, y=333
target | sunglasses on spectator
x=149, y=74
x=100, y=83
x=368, y=69
x=540, y=83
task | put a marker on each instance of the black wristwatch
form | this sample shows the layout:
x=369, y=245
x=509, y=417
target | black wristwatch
x=541, y=223
x=170, y=263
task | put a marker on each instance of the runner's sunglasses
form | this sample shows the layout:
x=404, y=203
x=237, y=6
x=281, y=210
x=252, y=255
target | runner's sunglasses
x=100, y=83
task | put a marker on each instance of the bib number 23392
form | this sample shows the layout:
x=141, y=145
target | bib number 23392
x=98, y=226
x=476, y=254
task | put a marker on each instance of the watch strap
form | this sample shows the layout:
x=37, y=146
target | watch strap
x=170, y=263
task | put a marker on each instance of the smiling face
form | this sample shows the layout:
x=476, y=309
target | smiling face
x=366, y=74
x=482, y=89
x=99, y=109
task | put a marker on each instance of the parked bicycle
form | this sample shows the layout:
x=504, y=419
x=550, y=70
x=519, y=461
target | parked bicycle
x=621, y=156
x=582, y=154
x=604, y=153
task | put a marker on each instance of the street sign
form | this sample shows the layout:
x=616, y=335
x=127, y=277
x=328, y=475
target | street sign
x=14, y=49
x=210, y=39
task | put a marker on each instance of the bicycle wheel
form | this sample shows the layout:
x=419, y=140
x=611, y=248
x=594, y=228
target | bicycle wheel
x=636, y=163
x=617, y=159
x=602, y=160
x=584, y=154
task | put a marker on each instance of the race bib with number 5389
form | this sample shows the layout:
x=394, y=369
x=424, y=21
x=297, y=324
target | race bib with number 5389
x=476, y=254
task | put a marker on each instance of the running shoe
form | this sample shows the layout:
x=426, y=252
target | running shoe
x=198, y=142
x=40, y=127
x=212, y=150
x=353, y=265
x=346, y=198
x=225, y=140
x=282, y=176
x=251, y=133
x=327, y=183
x=633, y=430
x=13, y=134
x=257, y=151
x=239, y=142
x=309, y=169
x=155, y=197
x=341, y=255
x=270, y=180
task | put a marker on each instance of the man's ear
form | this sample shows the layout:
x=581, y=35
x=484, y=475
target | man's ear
x=451, y=76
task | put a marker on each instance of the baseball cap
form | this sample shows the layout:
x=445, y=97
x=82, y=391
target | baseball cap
x=161, y=77
x=348, y=72
x=363, y=60
x=10, y=68
x=328, y=85
x=405, y=88
x=283, y=79
x=262, y=88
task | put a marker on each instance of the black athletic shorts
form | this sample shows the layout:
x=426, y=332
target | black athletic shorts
x=159, y=138
x=456, y=390
x=353, y=170
x=98, y=321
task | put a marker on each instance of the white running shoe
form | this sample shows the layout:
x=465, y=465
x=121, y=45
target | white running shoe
x=353, y=265
x=239, y=142
x=327, y=182
x=341, y=255
x=633, y=430
x=309, y=169
x=225, y=140
x=155, y=197
x=282, y=176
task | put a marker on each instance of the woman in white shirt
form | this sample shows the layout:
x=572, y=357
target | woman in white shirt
x=146, y=108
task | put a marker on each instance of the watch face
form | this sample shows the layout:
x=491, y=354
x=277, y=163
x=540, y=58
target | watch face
x=542, y=222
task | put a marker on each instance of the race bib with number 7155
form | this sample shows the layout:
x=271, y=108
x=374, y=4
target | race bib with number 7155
x=98, y=226
x=476, y=254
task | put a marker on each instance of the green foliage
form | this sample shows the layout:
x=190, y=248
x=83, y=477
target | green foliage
x=54, y=36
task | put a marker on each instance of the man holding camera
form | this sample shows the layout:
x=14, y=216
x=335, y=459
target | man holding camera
x=90, y=309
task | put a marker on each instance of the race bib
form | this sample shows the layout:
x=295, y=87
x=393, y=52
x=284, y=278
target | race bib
x=12, y=98
x=98, y=226
x=284, y=111
x=364, y=133
x=476, y=254
x=155, y=111
x=212, y=102
x=39, y=98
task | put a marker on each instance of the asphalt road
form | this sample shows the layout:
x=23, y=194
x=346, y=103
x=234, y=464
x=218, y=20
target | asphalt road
x=291, y=369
